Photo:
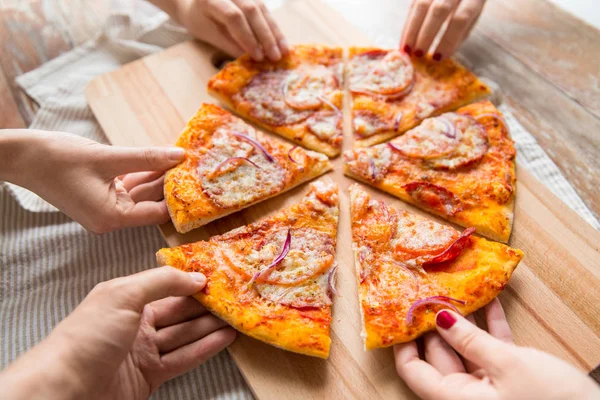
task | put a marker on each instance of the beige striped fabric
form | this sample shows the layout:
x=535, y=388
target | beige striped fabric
x=48, y=263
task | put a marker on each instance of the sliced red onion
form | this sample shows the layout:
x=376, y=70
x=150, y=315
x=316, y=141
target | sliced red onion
x=373, y=170
x=450, y=130
x=290, y=155
x=237, y=158
x=395, y=148
x=267, y=270
x=397, y=120
x=255, y=144
x=330, y=104
x=440, y=300
x=331, y=280
x=493, y=115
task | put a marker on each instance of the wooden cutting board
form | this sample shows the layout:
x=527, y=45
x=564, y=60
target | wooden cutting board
x=552, y=301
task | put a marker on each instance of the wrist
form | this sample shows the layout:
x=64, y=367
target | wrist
x=175, y=8
x=19, y=150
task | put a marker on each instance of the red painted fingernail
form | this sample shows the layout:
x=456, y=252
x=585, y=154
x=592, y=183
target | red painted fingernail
x=445, y=320
x=437, y=56
x=419, y=53
x=407, y=49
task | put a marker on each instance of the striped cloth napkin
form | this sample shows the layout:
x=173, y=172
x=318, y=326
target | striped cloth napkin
x=48, y=263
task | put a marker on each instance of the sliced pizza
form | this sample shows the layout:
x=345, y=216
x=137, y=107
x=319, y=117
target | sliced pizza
x=272, y=280
x=409, y=267
x=299, y=97
x=392, y=92
x=229, y=166
x=459, y=165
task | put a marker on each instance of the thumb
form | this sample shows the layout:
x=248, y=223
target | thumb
x=158, y=283
x=123, y=160
x=473, y=343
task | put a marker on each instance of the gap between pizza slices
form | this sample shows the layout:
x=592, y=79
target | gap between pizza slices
x=229, y=166
x=301, y=96
x=459, y=165
x=273, y=279
x=408, y=267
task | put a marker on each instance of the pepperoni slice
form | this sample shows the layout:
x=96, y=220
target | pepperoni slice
x=387, y=73
x=434, y=197
x=366, y=123
x=264, y=94
x=454, y=249
x=326, y=125
x=419, y=236
x=449, y=141
x=305, y=87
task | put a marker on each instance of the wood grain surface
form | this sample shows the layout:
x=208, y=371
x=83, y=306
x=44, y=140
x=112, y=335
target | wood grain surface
x=551, y=301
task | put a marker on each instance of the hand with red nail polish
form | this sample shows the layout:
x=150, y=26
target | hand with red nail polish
x=464, y=362
x=235, y=26
x=426, y=19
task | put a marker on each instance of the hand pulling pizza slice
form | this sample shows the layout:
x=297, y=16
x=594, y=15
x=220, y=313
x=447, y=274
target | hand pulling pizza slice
x=409, y=267
x=299, y=97
x=392, y=93
x=273, y=279
x=459, y=165
x=229, y=166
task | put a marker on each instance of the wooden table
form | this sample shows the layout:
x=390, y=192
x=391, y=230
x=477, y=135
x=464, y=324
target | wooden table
x=543, y=58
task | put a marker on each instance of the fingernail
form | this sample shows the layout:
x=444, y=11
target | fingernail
x=176, y=153
x=407, y=49
x=437, y=56
x=444, y=319
x=198, y=277
x=283, y=45
x=258, y=55
x=274, y=54
x=418, y=53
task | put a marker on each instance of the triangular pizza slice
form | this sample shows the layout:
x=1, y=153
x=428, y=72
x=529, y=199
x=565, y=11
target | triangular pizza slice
x=273, y=279
x=229, y=166
x=409, y=267
x=299, y=97
x=459, y=165
x=392, y=92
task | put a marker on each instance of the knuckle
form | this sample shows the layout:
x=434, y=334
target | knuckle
x=441, y=7
x=468, y=342
x=249, y=8
x=422, y=3
x=151, y=156
x=233, y=15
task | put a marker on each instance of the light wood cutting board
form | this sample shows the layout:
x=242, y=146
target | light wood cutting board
x=552, y=301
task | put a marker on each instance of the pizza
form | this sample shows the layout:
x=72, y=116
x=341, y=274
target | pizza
x=229, y=166
x=459, y=166
x=392, y=92
x=299, y=97
x=409, y=267
x=272, y=280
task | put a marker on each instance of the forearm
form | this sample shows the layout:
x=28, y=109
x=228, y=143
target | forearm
x=41, y=373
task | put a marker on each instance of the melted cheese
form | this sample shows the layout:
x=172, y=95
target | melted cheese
x=312, y=293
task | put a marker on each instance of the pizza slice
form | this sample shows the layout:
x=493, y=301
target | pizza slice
x=409, y=267
x=273, y=279
x=299, y=97
x=459, y=165
x=229, y=166
x=392, y=92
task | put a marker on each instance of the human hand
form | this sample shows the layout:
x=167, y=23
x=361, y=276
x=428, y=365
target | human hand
x=492, y=367
x=235, y=26
x=425, y=20
x=102, y=187
x=124, y=340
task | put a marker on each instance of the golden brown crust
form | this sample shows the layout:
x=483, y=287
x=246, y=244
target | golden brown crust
x=486, y=190
x=188, y=204
x=449, y=84
x=386, y=293
x=301, y=330
x=236, y=76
